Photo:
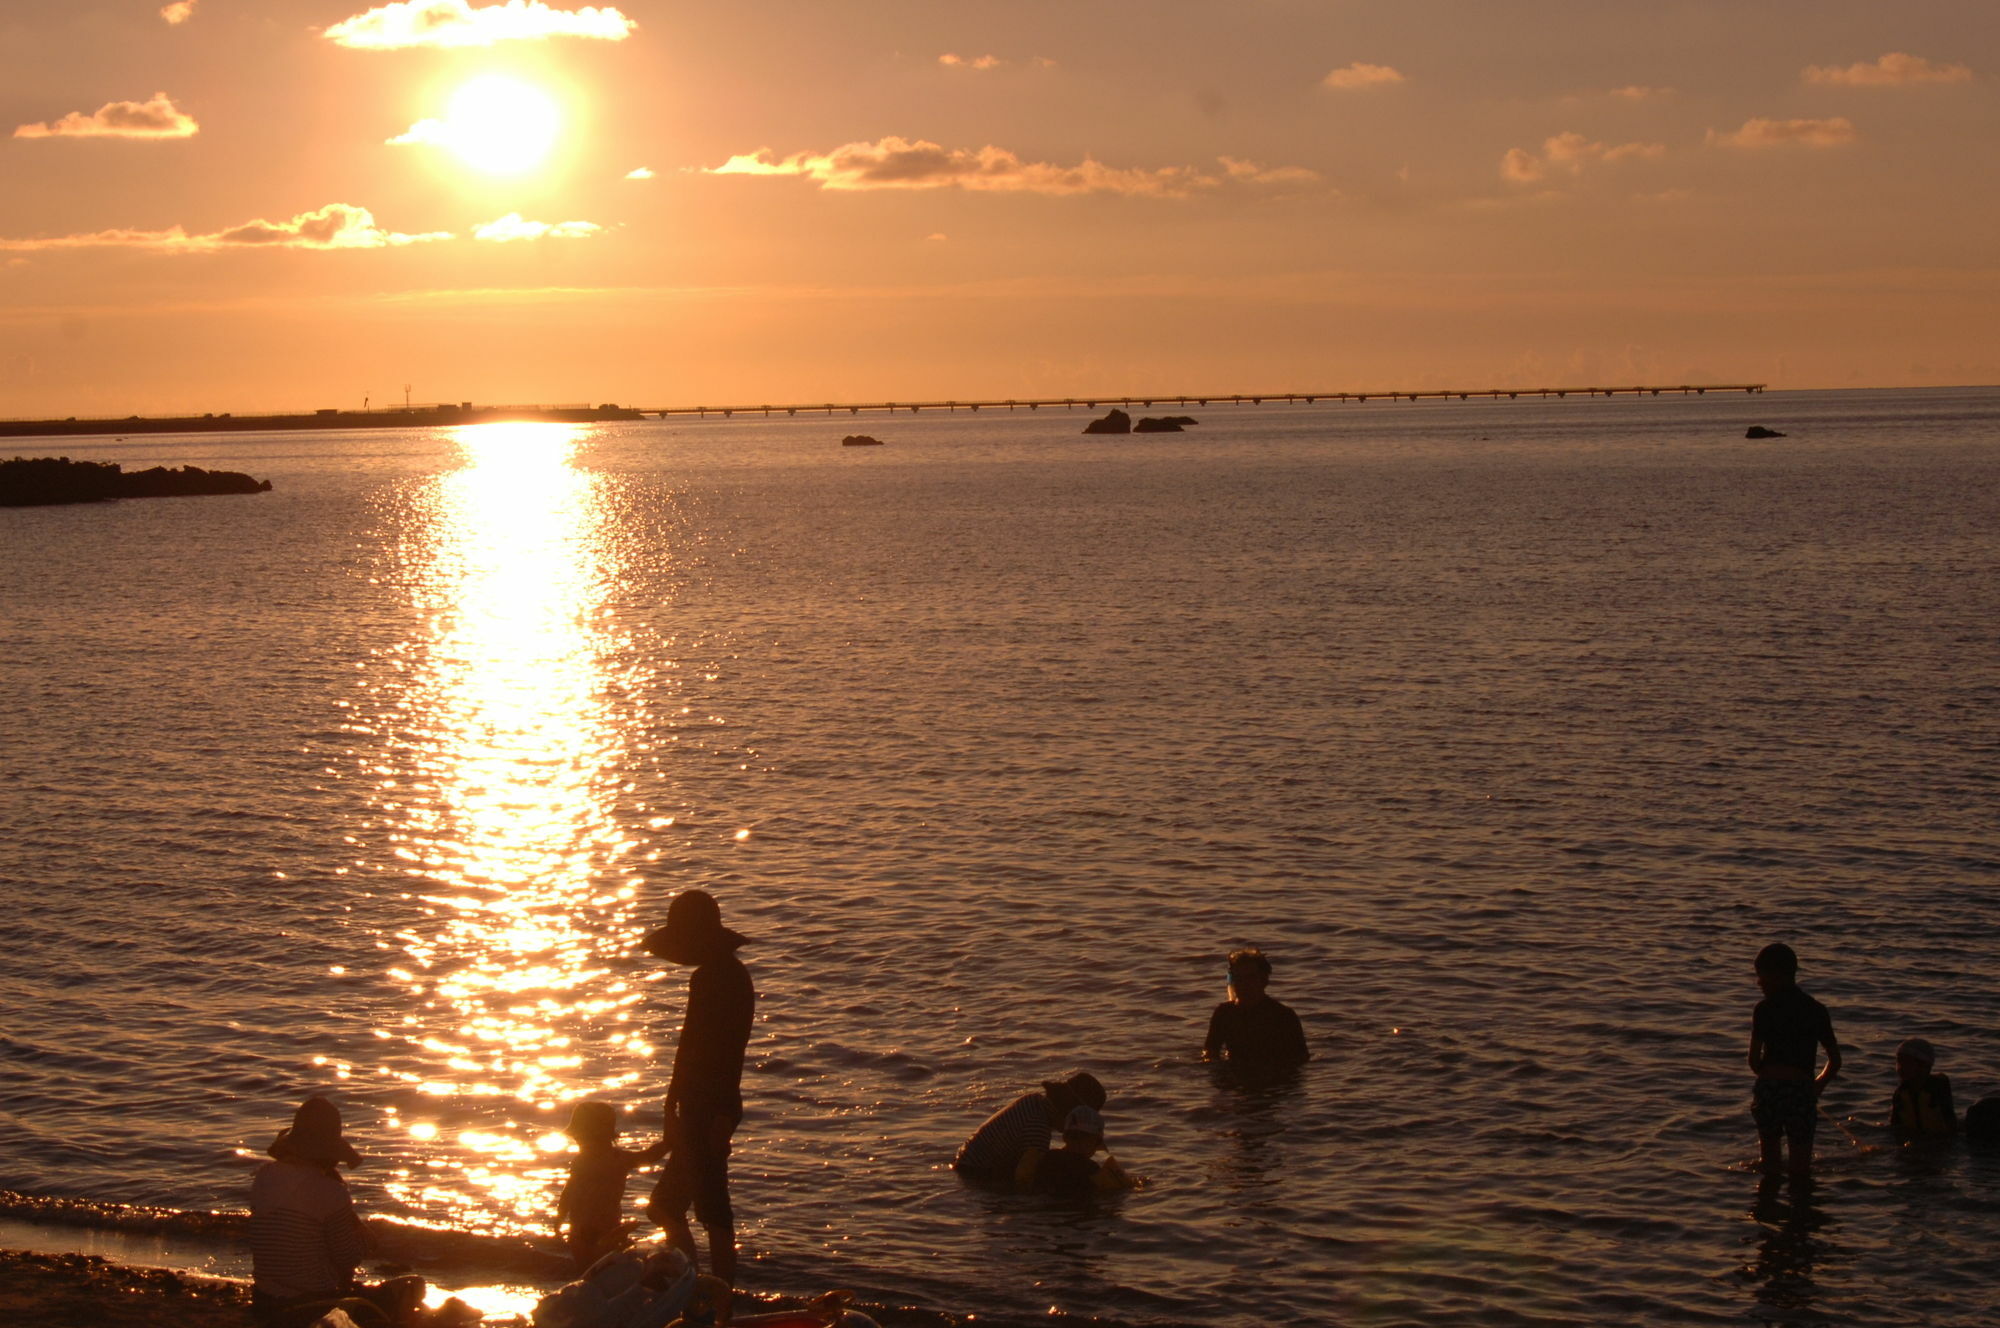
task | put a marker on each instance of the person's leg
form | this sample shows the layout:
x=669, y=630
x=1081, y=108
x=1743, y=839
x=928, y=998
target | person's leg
x=712, y=1207
x=668, y=1206
x=1799, y=1134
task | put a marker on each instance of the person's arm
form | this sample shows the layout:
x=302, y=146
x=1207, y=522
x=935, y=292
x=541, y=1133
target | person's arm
x=1024, y=1170
x=1832, y=1045
x=563, y=1206
x=1944, y=1105
x=1296, y=1049
x=651, y=1153
x=1211, y=1046
x=1756, y=1046
x=1113, y=1176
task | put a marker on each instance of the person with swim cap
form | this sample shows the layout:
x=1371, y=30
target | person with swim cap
x=996, y=1148
x=1922, y=1104
x=1252, y=1029
x=1786, y=1031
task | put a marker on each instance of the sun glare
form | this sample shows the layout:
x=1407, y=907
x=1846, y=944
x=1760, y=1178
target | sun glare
x=502, y=125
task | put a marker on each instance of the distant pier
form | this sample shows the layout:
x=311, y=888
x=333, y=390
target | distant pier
x=464, y=412
x=1149, y=401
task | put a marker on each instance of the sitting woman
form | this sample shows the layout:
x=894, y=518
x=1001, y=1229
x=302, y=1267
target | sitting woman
x=306, y=1239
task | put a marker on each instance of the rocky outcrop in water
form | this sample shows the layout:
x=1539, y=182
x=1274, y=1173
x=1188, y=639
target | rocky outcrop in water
x=1165, y=424
x=860, y=440
x=1759, y=431
x=46, y=481
x=1116, y=422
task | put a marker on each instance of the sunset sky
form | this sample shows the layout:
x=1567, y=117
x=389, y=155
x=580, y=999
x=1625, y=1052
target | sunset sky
x=292, y=204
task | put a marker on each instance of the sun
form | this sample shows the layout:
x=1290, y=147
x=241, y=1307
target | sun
x=501, y=125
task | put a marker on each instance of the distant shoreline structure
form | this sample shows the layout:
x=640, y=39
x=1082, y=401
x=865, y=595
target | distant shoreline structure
x=468, y=413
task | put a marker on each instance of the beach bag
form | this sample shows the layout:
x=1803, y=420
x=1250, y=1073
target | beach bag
x=624, y=1289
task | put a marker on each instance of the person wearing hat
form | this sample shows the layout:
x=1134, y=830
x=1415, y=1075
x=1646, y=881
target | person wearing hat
x=305, y=1237
x=1922, y=1104
x=1073, y=1168
x=997, y=1148
x=705, y=1095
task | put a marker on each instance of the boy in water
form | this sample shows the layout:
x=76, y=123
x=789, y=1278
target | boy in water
x=595, y=1192
x=1786, y=1032
x=1252, y=1029
x=1922, y=1104
x=1072, y=1169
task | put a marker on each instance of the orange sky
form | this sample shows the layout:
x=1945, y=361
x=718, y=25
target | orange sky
x=291, y=204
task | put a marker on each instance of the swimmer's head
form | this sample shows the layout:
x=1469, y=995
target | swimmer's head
x=1915, y=1058
x=1083, y=1130
x=1249, y=972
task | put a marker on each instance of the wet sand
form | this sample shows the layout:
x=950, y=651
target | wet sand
x=85, y=1291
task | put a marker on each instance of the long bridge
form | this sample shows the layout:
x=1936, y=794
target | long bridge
x=1148, y=401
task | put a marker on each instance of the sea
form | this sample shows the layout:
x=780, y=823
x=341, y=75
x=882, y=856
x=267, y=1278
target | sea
x=1509, y=730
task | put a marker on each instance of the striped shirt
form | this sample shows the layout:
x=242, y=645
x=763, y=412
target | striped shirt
x=305, y=1237
x=995, y=1148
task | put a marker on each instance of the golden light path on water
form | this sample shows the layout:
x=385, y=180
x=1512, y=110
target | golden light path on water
x=505, y=818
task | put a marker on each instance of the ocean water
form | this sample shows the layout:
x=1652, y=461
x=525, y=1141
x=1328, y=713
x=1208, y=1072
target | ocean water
x=1510, y=730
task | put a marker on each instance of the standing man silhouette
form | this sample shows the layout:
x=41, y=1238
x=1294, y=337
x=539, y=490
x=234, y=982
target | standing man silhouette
x=704, y=1097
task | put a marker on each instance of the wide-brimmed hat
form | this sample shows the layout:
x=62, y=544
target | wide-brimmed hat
x=1081, y=1086
x=693, y=930
x=314, y=1136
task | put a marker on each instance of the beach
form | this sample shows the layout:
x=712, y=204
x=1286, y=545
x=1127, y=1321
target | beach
x=1511, y=731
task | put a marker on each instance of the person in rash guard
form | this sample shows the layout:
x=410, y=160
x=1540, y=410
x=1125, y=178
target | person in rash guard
x=305, y=1237
x=1786, y=1032
x=1252, y=1029
x=996, y=1148
x=704, y=1097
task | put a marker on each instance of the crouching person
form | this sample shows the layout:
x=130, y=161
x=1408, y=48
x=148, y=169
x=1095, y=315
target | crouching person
x=306, y=1239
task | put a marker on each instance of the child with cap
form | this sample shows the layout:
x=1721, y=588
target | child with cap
x=1072, y=1169
x=1922, y=1104
x=594, y=1195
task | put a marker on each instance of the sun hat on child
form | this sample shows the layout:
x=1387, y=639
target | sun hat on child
x=1917, y=1049
x=592, y=1121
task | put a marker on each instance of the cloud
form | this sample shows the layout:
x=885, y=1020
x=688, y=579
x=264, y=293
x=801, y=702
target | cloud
x=951, y=61
x=639, y=173
x=460, y=23
x=511, y=227
x=1356, y=76
x=898, y=163
x=1894, y=70
x=1639, y=92
x=1570, y=152
x=158, y=118
x=1761, y=133
x=180, y=11
x=938, y=236
x=335, y=226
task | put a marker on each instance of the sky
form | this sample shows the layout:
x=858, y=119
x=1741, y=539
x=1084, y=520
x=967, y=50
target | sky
x=244, y=205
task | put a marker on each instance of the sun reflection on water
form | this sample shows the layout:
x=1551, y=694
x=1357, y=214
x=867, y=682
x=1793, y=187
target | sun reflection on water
x=501, y=811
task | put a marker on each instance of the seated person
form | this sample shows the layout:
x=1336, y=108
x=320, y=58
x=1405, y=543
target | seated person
x=1072, y=1169
x=1922, y=1104
x=306, y=1239
x=1252, y=1030
x=995, y=1149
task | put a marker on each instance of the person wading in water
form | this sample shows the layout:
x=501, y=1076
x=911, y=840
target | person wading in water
x=704, y=1097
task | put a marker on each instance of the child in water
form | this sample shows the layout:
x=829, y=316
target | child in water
x=1922, y=1104
x=594, y=1195
x=1786, y=1032
x=1072, y=1169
